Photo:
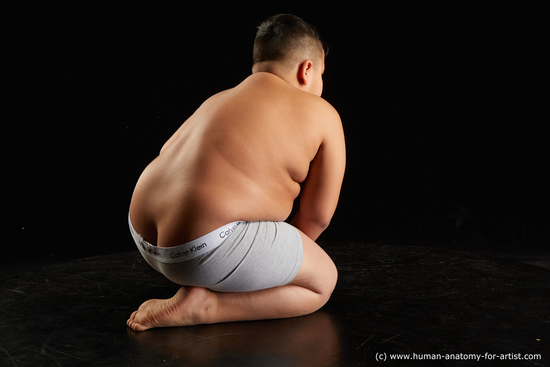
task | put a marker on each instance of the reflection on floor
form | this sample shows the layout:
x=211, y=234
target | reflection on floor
x=416, y=301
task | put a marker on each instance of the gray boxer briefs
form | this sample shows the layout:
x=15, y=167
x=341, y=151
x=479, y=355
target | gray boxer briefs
x=252, y=256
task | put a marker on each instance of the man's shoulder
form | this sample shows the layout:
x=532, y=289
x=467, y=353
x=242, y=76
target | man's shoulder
x=321, y=109
x=326, y=106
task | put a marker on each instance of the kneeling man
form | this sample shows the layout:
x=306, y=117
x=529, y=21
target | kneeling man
x=209, y=211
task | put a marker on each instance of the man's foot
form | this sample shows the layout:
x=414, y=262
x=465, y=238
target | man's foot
x=188, y=307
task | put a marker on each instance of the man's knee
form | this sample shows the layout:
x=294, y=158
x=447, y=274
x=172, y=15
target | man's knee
x=331, y=279
x=318, y=272
x=324, y=285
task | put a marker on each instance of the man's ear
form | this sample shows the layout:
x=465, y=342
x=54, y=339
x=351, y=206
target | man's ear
x=304, y=71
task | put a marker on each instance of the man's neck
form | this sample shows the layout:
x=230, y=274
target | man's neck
x=276, y=70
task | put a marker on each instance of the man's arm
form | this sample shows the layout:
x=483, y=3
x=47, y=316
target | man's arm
x=321, y=190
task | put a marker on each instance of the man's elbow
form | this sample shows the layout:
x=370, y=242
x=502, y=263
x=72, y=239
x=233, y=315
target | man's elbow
x=322, y=223
x=312, y=226
x=319, y=223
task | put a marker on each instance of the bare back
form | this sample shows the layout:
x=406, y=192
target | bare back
x=241, y=156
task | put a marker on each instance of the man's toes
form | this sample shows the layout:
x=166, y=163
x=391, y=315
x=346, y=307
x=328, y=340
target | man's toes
x=135, y=326
x=139, y=327
x=131, y=321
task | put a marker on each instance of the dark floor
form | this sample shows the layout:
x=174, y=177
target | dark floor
x=389, y=300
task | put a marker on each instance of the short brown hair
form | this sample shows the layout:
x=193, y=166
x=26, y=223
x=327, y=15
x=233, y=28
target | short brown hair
x=284, y=36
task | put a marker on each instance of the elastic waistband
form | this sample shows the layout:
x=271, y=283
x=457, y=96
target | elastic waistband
x=188, y=250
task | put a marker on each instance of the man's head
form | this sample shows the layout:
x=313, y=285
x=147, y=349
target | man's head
x=287, y=44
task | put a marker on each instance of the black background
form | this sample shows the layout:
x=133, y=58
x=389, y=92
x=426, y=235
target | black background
x=444, y=109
